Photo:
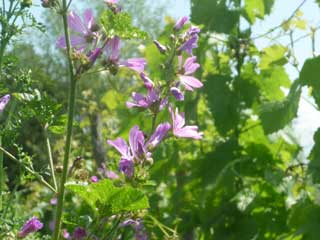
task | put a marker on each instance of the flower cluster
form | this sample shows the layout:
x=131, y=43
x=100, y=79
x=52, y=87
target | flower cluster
x=88, y=43
x=157, y=98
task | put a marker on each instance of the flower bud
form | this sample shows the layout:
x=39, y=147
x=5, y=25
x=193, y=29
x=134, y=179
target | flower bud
x=32, y=225
x=180, y=23
x=160, y=47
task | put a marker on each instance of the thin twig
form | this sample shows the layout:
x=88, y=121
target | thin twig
x=37, y=175
x=281, y=24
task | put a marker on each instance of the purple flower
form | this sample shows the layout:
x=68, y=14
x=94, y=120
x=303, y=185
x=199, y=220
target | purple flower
x=161, y=48
x=189, y=67
x=179, y=128
x=176, y=92
x=190, y=44
x=152, y=100
x=136, y=64
x=32, y=225
x=94, y=55
x=126, y=167
x=4, y=101
x=83, y=31
x=94, y=179
x=113, y=53
x=159, y=134
x=191, y=40
x=180, y=23
x=148, y=83
x=65, y=234
x=111, y=1
x=79, y=233
x=140, y=233
x=107, y=173
x=136, y=152
x=53, y=201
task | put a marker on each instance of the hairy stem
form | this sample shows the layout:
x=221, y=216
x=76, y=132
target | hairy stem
x=71, y=110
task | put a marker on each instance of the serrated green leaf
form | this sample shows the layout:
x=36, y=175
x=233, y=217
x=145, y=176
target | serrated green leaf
x=254, y=9
x=105, y=198
x=273, y=55
x=310, y=76
x=120, y=24
x=272, y=81
x=276, y=115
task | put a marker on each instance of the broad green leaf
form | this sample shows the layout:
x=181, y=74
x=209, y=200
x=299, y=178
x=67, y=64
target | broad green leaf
x=214, y=15
x=268, y=4
x=314, y=157
x=276, y=115
x=254, y=9
x=105, y=198
x=222, y=102
x=310, y=76
x=273, y=55
x=120, y=24
x=305, y=219
x=271, y=82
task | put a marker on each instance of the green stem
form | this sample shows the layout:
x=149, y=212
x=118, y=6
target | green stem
x=71, y=110
x=37, y=175
x=51, y=161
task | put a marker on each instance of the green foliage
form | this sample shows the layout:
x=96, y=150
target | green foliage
x=273, y=55
x=222, y=102
x=309, y=76
x=106, y=199
x=276, y=115
x=120, y=24
x=209, y=13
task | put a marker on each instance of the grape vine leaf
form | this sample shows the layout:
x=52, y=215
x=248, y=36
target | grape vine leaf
x=276, y=115
x=314, y=157
x=120, y=24
x=254, y=9
x=309, y=76
x=222, y=102
x=273, y=55
x=106, y=198
x=214, y=15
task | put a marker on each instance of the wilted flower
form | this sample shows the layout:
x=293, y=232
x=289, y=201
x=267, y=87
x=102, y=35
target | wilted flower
x=179, y=128
x=180, y=23
x=79, y=233
x=113, y=53
x=4, y=101
x=32, y=225
x=83, y=31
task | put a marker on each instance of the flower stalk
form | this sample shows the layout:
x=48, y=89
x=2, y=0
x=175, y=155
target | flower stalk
x=71, y=110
